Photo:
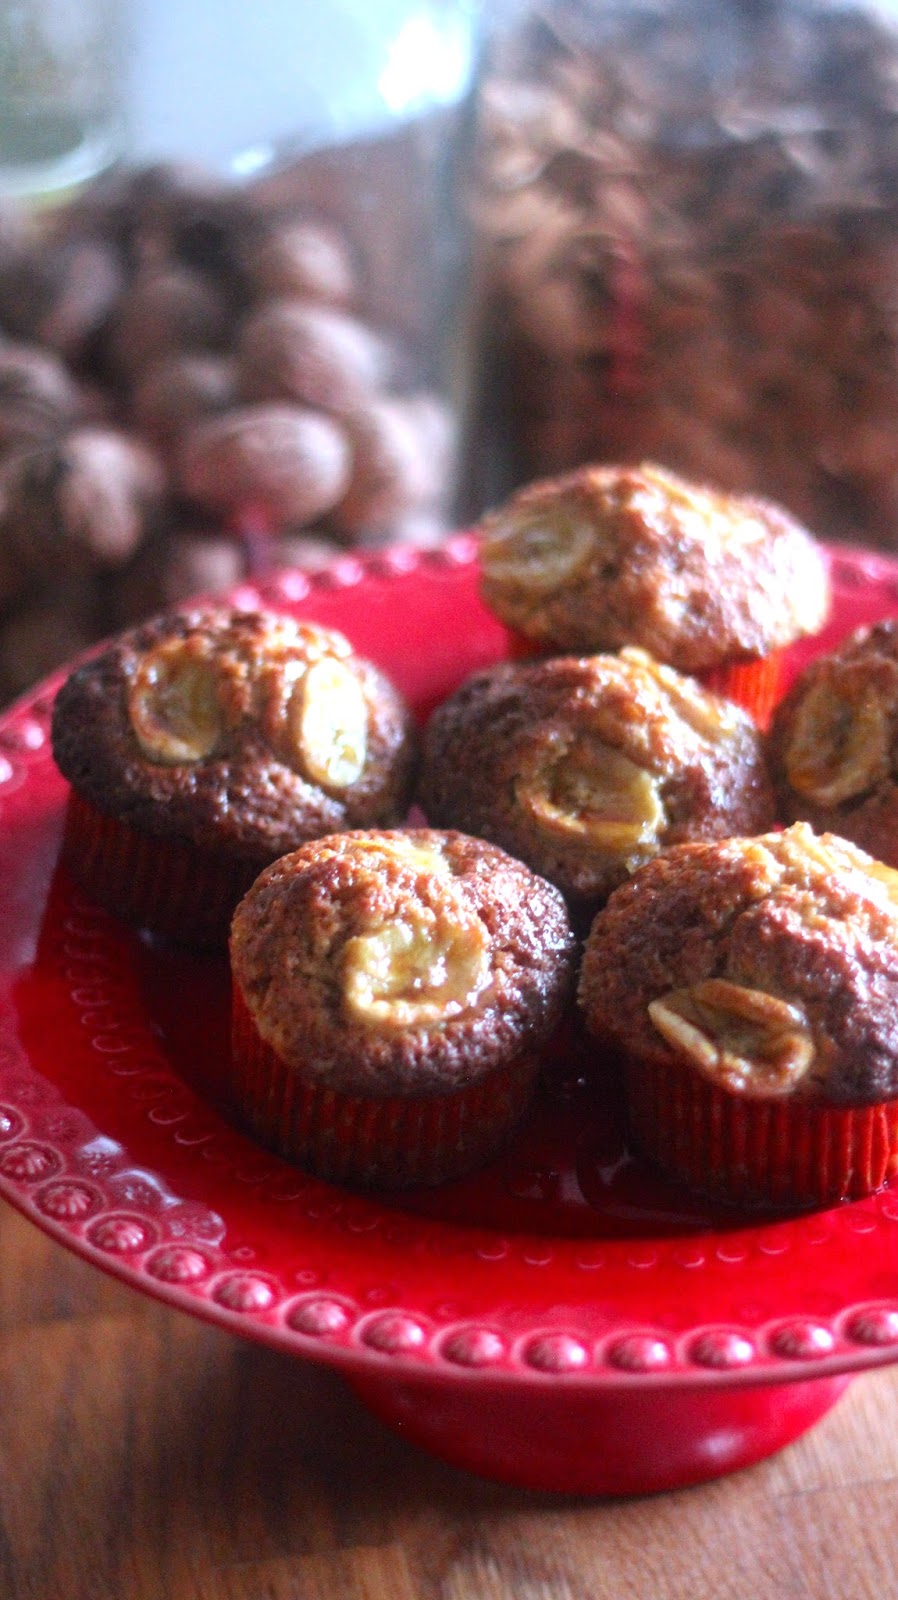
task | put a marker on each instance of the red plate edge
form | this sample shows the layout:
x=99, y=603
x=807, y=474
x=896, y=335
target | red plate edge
x=764, y=1302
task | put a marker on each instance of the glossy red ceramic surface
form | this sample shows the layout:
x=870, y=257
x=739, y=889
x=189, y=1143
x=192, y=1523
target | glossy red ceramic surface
x=565, y=1282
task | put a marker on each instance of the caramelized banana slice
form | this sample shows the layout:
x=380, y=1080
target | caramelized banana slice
x=743, y=1040
x=419, y=970
x=887, y=876
x=328, y=724
x=839, y=748
x=538, y=553
x=596, y=795
x=704, y=713
x=404, y=852
x=174, y=702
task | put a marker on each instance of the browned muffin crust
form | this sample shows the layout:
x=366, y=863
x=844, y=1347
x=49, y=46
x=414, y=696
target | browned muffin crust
x=401, y=962
x=769, y=964
x=241, y=732
x=586, y=767
x=833, y=743
x=609, y=556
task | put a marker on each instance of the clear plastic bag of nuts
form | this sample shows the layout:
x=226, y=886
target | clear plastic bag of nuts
x=684, y=217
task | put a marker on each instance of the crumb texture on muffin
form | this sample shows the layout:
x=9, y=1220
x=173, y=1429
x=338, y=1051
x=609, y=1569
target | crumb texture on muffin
x=833, y=742
x=768, y=964
x=242, y=732
x=401, y=962
x=607, y=556
x=586, y=767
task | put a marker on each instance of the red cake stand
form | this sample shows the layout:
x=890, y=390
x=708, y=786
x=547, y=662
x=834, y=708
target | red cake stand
x=563, y=1320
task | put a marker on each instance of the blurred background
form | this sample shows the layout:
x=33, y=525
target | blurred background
x=229, y=282
x=285, y=280
x=236, y=86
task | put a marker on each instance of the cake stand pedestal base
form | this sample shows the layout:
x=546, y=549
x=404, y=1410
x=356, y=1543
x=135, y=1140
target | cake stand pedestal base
x=615, y=1440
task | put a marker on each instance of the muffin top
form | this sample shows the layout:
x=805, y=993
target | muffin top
x=401, y=962
x=608, y=556
x=586, y=767
x=769, y=965
x=833, y=742
x=241, y=732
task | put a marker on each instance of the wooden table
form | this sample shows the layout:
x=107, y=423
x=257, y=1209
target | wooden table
x=146, y=1456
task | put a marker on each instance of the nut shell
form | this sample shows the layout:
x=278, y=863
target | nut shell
x=87, y=500
x=166, y=212
x=291, y=463
x=394, y=470
x=199, y=564
x=38, y=398
x=311, y=354
x=178, y=391
x=163, y=310
x=305, y=260
x=59, y=293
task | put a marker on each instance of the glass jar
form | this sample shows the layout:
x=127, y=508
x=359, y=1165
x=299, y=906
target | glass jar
x=228, y=355
x=684, y=217
x=342, y=110
x=62, y=69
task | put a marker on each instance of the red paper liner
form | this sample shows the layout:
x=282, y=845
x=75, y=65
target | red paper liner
x=774, y=1153
x=754, y=685
x=168, y=886
x=392, y=1142
x=520, y=648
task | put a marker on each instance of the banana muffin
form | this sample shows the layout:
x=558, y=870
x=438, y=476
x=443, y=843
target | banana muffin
x=586, y=767
x=833, y=743
x=391, y=992
x=608, y=556
x=750, y=987
x=203, y=745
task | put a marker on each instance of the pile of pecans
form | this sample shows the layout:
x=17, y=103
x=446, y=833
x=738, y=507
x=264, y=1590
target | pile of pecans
x=198, y=382
x=685, y=216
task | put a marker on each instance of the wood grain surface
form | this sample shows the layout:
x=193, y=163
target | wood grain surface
x=146, y=1456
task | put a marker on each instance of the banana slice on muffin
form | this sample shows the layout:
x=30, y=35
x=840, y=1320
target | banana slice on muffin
x=750, y=988
x=586, y=767
x=391, y=993
x=205, y=744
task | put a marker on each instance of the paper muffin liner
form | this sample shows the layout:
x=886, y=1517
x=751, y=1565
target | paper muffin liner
x=519, y=647
x=167, y=886
x=772, y=1153
x=753, y=685
x=392, y=1142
